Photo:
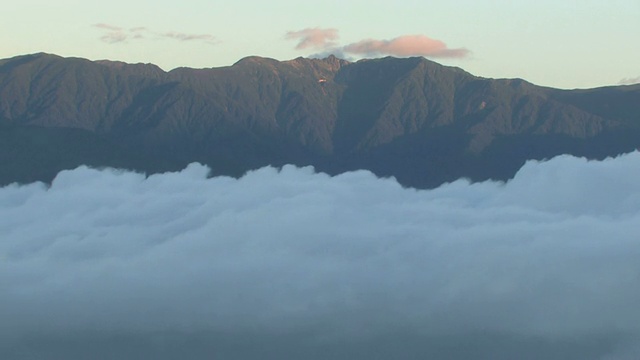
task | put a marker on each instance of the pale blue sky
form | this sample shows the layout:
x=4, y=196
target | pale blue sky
x=562, y=43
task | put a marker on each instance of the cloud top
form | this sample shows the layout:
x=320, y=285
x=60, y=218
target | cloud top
x=551, y=255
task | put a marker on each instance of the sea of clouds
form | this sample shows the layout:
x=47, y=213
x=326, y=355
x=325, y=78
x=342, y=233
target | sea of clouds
x=548, y=263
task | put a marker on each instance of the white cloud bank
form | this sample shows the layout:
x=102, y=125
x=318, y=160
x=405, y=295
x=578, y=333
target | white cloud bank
x=553, y=255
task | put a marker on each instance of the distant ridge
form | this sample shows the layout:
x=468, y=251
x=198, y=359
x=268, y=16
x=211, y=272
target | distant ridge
x=411, y=118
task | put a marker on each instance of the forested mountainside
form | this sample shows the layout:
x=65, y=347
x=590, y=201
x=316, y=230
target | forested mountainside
x=410, y=118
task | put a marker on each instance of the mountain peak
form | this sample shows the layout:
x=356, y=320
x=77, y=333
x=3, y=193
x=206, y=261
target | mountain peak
x=254, y=59
x=335, y=62
x=141, y=68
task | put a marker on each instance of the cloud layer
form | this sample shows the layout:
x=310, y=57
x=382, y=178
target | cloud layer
x=114, y=34
x=294, y=257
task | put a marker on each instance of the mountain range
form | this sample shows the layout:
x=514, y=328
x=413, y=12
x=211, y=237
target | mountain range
x=423, y=123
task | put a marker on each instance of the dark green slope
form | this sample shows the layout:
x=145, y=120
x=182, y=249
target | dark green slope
x=29, y=154
x=411, y=118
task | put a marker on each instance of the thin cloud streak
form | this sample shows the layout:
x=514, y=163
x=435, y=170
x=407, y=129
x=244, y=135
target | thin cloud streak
x=116, y=34
x=113, y=35
x=190, y=37
x=108, y=27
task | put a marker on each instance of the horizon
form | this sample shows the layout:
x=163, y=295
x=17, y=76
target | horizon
x=547, y=43
x=325, y=56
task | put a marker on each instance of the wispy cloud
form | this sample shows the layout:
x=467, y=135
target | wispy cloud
x=112, y=34
x=323, y=41
x=116, y=34
x=108, y=27
x=190, y=37
x=114, y=37
x=313, y=38
x=630, y=81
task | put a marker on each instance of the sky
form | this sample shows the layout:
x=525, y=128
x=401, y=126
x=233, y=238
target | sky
x=559, y=43
x=295, y=264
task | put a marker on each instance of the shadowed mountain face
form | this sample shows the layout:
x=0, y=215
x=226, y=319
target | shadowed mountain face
x=410, y=118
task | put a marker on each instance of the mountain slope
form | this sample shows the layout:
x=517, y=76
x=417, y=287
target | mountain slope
x=411, y=118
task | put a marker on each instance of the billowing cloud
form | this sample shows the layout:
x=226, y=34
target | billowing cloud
x=313, y=38
x=294, y=264
x=323, y=41
x=407, y=45
x=115, y=34
x=630, y=81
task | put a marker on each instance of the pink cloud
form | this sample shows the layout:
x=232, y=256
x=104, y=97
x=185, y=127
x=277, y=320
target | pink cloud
x=314, y=38
x=407, y=45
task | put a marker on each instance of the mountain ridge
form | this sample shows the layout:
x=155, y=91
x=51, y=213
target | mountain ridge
x=411, y=118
